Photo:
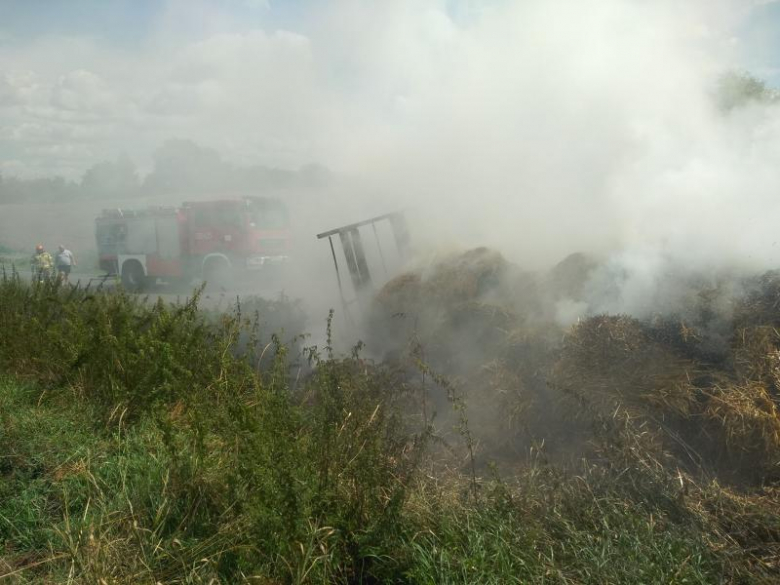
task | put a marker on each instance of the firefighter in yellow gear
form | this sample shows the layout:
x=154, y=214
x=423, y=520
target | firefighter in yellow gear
x=42, y=264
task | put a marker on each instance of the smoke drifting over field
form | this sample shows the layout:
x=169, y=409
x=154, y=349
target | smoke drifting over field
x=552, y=127
x=591, y=196
x=538, y=128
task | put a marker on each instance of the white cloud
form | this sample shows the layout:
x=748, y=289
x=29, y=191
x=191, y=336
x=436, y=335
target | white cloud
x=341, y=93
x=17, y=88
x=82, y=90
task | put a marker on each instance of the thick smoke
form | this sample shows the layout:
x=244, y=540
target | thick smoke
x=540, y=127
x=554, y=126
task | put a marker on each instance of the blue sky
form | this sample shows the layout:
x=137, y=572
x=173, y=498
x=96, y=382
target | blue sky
x=761, y=34
x=129, y=22
x=118, y=20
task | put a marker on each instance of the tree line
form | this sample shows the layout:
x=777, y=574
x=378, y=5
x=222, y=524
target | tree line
x=179, y=166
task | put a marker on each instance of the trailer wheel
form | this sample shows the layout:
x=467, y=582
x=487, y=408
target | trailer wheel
x=133, y=277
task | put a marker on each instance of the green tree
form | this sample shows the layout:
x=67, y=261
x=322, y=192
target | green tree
x=111, y=179
x=736, y=89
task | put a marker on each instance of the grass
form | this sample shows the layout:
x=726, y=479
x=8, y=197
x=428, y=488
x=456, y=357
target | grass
x=575, y=536
x=103, y=504
x=150, y=444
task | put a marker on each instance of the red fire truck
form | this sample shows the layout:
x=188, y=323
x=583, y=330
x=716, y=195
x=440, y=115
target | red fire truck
x=217, y=241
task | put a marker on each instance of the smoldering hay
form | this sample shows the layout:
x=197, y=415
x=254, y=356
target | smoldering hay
x=699, y=385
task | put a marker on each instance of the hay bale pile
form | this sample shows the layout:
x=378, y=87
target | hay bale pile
x=465, y=277
x=453, y=300
x=606, y=359
x=756, y=342
x=403, y=293
x=731, y=425
x=568, y=278
x=472, y=316
x=701, y=384
x=755, y=354
x=760, y=302
x=748, y=420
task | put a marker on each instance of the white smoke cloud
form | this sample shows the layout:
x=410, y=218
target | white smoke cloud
x=539, y=127
x=356, y=74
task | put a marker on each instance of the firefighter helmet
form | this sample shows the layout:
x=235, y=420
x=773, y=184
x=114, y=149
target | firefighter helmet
x=39, y=248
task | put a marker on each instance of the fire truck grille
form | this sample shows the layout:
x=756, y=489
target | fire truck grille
x=272, y=247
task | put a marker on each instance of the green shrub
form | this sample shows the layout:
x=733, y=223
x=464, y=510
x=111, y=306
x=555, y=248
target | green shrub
x=146, y=443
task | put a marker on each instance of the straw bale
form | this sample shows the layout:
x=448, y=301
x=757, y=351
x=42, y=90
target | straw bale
x=677, y=333
x=761, y=303
x=452, y=307
x=613, y=357
x=401, y=294
x=748, y=419
x=466, y=276
x=774, y=362
x=755, y=354
x=733, y=425
x=736, y=430
x=567, y=279
x=465, y=336
x=451, y=291
x=481, y=318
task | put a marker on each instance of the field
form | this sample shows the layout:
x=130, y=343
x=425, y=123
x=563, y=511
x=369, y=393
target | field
x=167, y=444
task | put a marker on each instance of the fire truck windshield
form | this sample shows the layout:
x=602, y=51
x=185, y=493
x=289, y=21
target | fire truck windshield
x=270, y=215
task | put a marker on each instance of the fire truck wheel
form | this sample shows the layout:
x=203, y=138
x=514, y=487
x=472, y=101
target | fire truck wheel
x=217, y=274
x=133, y=277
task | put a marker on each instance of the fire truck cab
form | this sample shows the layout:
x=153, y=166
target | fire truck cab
x=216, y=241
